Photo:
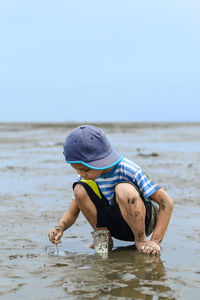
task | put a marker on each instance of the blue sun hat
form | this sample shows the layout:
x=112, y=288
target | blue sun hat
x=88, y=145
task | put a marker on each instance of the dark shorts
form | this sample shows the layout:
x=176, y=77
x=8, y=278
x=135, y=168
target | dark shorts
x=109, y=215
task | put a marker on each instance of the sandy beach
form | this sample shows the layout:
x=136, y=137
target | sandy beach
x=36, y=188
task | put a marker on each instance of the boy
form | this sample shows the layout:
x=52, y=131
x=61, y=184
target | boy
x=113, y=193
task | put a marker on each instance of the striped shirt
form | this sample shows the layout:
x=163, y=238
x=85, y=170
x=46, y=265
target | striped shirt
x=125, y=170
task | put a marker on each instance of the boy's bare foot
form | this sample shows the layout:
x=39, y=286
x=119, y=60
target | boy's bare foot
x=91, y=245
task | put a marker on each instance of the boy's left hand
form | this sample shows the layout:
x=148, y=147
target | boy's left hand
x=148, y=247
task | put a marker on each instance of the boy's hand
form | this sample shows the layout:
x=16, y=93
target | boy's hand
x=55, y=234
x=148, y=247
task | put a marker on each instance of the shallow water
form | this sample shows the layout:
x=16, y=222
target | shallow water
x=36, y=190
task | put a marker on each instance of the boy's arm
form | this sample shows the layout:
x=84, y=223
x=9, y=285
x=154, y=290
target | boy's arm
x=70, y=216
x=166, y=205
x=66, y=221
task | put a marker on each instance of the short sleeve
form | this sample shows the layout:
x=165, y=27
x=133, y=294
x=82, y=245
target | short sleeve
x=145, y=185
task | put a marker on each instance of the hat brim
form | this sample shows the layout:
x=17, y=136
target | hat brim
x=101, y=164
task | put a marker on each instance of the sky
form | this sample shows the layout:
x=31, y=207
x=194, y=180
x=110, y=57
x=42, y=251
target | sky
x=100, y=61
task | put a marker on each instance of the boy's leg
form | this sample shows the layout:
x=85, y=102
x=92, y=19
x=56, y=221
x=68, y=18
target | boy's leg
x=136, y=212
x=89, y=210
x=86, y=206
x=132, y=209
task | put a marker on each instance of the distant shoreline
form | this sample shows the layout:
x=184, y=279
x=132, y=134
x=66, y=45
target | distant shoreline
x=111, y=125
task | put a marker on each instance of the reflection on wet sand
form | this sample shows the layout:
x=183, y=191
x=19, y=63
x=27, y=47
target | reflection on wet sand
x=144, y=275
x=124, y=273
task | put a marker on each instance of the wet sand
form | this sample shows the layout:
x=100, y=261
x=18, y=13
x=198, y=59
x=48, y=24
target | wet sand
x=36, y=189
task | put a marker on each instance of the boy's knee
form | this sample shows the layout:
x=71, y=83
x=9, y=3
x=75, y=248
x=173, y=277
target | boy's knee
x=79, y=192
x=126, y=192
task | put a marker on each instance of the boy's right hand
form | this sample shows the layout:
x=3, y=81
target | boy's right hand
x=55, y=234
x=148, y=247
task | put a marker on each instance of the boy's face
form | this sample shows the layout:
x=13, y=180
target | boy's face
x=86, y=173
